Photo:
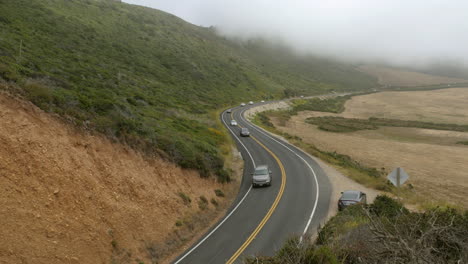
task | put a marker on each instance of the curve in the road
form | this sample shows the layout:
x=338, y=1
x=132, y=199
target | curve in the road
x=232, y=211
x=270, y=211
x=260, y=221
x=261, y=130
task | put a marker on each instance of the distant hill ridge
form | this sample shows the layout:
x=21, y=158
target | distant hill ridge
x=148, y=78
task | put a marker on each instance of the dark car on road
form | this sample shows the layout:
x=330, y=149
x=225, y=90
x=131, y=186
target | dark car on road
x=350, y=198
x=261, y=176
x=244, y=132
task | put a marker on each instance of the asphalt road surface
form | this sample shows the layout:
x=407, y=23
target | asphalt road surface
x=262, y=219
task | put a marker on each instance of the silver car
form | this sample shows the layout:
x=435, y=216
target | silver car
x=233, y=122
x=244, y=132
x=261, y=176
x=350, y=198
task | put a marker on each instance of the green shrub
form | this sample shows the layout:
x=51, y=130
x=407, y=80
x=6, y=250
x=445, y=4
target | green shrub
x=203, y=199
x=387, y=207
x=323, y=255
x=203, y=203
x=185, y=198
x=223, y=175
x=264, y=119
x=214, y=202
x=39, y=94
x=219, y=193
x=343, y=222
x=8, y=73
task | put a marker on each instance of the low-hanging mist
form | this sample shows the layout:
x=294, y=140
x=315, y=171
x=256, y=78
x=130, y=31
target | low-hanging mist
x=409, y=33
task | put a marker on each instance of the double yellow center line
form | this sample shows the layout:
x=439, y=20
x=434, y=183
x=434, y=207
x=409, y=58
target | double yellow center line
x=270, y=211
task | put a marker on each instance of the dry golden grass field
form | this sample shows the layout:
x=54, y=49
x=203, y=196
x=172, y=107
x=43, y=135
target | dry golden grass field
x=438, y=167
x=395, y=77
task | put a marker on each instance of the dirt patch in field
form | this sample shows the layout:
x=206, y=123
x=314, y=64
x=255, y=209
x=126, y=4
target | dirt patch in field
x=72, y=197
x=437, y=166
x=395, y=77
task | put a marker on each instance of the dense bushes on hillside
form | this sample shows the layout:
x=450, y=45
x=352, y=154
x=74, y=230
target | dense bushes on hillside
x=384, y=232
x=146, y=77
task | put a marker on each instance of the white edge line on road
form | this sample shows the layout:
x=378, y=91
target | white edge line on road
x=233, y=210
x=261, y=130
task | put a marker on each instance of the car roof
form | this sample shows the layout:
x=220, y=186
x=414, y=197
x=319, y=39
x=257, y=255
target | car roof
x=261, y=167
x=351, y=195
x=351, y=192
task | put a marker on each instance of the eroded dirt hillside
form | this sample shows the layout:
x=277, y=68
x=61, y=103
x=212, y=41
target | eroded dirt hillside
x=70, y=197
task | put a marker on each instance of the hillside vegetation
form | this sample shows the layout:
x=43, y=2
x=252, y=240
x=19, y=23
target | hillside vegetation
x=148, y=78
x=384, y=232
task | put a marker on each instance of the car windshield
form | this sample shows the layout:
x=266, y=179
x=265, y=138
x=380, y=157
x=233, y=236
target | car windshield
x=261, y=171
x=350, y=196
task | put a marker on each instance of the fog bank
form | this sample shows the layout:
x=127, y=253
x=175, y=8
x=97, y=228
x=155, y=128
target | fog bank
x=400, y=32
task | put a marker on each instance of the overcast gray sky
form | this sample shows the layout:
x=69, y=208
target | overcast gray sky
x=400, y=31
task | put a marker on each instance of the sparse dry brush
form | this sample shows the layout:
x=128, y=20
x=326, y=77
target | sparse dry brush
x=341, y=124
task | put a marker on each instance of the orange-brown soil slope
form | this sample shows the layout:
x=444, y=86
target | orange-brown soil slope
x=71, y=197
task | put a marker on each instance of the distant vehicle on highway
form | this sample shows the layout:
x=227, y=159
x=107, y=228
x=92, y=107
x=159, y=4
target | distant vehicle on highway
x=244, y=132
x=261, y=176
x=233, y=122
x=250, y=103
x=229, y=111
x=302, y=96
x=262, y=101
x=350, y=198
x=243, y=104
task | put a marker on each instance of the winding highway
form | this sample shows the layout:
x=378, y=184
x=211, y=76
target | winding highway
x=261, y=219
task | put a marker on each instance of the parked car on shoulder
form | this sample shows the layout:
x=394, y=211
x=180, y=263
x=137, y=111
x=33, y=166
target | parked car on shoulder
x=351, y=198
x=244, y=132
x=233, y=122
x=261, y=176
